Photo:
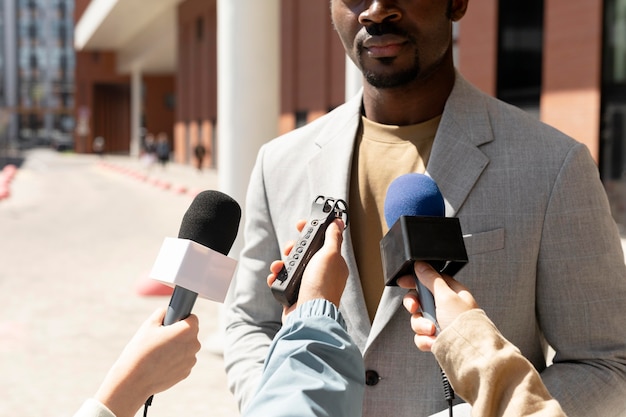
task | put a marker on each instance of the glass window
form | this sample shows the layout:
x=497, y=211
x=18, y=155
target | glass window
x=520, y=39
x=615, y=42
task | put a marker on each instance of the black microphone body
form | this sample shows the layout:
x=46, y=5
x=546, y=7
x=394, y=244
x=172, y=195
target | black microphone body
x=212, y=220
x=181, y=304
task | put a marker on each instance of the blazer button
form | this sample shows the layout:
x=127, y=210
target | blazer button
x=371, y=378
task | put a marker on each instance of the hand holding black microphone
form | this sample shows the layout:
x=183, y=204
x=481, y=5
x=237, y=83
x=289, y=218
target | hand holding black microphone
x=196, y=262
x=163, y=350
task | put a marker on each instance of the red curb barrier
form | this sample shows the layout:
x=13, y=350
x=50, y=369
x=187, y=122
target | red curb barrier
x=147, y=286
x=5, y=192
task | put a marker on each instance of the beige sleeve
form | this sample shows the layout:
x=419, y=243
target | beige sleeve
x=489, y=372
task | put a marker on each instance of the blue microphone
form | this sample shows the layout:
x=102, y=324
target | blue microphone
x=419, y=231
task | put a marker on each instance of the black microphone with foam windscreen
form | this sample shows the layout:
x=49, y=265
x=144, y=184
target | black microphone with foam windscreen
x=419, y=231
x=196, y=263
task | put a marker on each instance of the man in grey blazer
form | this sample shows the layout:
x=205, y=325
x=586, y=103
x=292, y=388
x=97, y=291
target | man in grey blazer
x=545, y=259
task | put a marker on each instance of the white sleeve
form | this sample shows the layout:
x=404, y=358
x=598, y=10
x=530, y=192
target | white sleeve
x=93, y=408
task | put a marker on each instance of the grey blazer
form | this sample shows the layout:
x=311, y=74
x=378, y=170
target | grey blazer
x=545, y=259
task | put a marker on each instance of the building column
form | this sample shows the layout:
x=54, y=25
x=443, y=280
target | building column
x=10, y=73
x=248, y=96
x=135, y=111
x=354, y=79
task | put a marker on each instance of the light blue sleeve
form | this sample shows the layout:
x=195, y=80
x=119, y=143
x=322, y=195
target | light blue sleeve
x=313, y=368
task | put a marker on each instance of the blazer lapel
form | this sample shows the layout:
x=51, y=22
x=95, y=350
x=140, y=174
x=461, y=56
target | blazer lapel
x=456, y=162
x=329, y=175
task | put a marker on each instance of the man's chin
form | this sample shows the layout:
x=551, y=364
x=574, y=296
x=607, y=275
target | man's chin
x=384, y=81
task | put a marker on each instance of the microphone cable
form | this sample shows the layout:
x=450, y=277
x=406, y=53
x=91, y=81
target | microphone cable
x=147, y=404
x=447, y=391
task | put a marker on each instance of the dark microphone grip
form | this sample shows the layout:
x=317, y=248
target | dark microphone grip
x=211, y=220
x=427, y=301
x=180, y=306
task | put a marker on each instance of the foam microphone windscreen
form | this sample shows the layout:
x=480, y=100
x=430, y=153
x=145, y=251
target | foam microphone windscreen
x=413, y=195
x=212, y=220
x=418, y=229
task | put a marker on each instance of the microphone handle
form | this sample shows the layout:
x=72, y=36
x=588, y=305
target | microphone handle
x=180, y=306
x=427, y=305
x=427, y=302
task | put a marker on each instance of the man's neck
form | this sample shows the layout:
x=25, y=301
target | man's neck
x=411, y=104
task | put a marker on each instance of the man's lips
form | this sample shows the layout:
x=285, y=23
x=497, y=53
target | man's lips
x=385, y=46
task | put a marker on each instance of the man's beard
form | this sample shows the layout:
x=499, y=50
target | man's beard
x=397, y=79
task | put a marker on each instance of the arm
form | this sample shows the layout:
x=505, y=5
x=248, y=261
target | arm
x=155, y=359
x=313, y=365
x=581, y=284
x=489, y=372
x=483, y=367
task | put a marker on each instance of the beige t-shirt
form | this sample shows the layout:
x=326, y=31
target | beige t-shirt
x=382, y=153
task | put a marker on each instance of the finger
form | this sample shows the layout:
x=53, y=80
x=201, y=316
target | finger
x=423, y=326
x=406, y=281
x=423, y=343
x=410, y=302
x=461, y=290
x=455, y=285
x=157, y=316
x=334, y=235
x=426, y=274
x=300, y=225
x=187, y=326
x=288, y=247
x=276, y=266
x=191, y=321
x=270, y=279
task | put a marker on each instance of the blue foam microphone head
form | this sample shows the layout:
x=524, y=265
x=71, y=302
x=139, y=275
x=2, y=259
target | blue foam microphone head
x=413, y=195
x=418, y=229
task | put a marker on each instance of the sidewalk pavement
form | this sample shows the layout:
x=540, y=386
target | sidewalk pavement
x=174, y=177
x=76, y=234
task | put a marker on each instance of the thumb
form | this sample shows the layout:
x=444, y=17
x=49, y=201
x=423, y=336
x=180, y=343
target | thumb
x=334, y=236
x=157, y=316
x=426, y=274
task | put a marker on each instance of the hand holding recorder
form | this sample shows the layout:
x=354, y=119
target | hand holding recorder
x=326, y=274
x=323, y=211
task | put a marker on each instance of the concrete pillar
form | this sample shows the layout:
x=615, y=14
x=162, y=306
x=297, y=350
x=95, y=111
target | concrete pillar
x=354, y=79
x=10, y=72
x=248, y=96
x=135, y=111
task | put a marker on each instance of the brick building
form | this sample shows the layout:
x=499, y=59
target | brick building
x=562, y=60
